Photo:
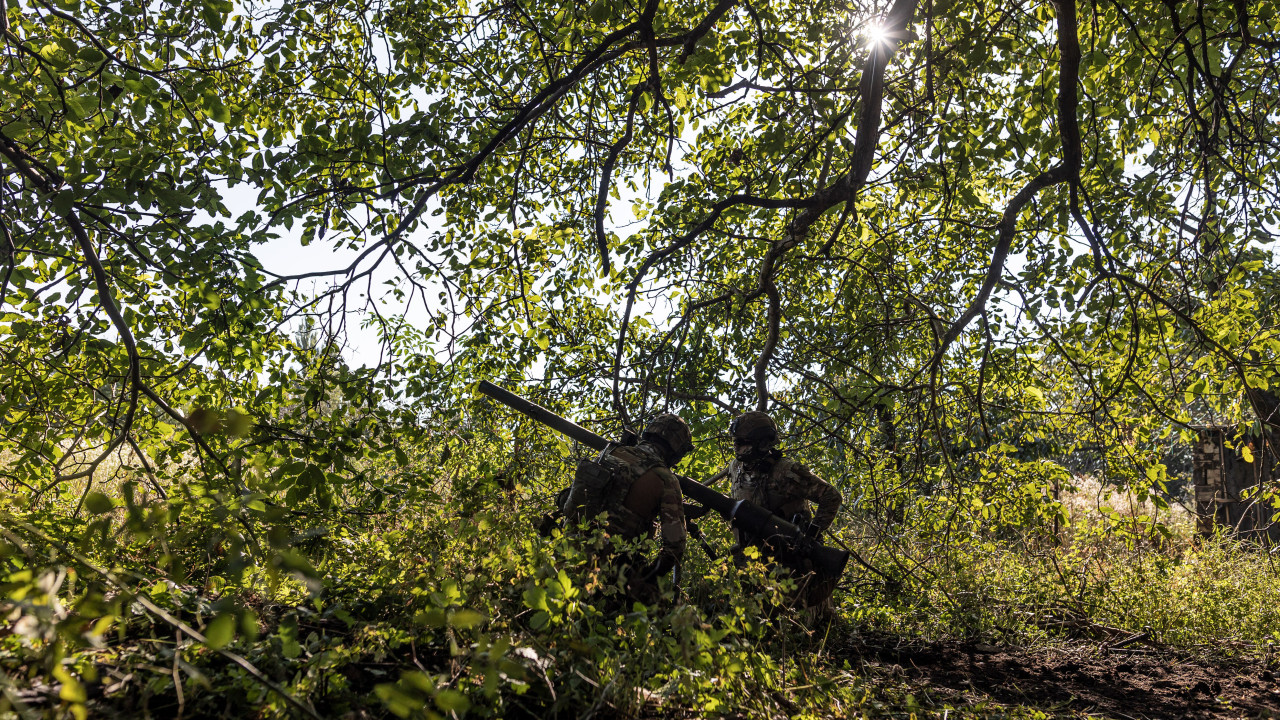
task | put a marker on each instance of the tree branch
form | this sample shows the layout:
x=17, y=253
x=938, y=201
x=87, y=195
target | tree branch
x=774, y=320
x=606, y=175
x=842, y=190
x=1068, y=171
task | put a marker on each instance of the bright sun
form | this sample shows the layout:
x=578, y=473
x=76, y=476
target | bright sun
x=876, y=34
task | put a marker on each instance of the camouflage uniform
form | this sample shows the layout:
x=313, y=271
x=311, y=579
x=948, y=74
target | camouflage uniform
x=761, y=474
x=785, y=487
x=634, y=487
x=646, y=490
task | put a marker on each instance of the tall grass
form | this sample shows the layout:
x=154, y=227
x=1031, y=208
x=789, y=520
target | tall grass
x=1118, y=566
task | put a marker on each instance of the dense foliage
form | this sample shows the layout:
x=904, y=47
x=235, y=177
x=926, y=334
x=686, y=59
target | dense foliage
x=972, y=255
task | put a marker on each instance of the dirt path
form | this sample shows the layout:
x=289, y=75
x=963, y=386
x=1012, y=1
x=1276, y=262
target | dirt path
x=1071, y=681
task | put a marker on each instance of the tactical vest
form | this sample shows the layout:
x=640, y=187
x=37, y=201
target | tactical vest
x=601, y=486
x=779, y=490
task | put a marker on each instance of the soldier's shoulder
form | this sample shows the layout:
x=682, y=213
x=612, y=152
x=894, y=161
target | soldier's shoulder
x=789, y=466
x=665, y=473
x=672, y=493
x=637, y=455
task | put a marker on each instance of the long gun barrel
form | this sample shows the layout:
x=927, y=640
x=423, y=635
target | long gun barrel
x=781, y=539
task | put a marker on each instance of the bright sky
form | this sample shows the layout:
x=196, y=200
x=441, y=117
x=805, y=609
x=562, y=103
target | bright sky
x=286, y=255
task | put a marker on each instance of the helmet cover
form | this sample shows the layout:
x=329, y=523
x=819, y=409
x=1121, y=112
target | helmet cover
x=674, y=431
x=754, y=428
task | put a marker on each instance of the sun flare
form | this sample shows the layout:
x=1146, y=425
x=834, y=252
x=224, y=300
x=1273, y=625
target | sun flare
x=875, y=34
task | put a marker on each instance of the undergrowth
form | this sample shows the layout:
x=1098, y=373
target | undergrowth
x=452, y=606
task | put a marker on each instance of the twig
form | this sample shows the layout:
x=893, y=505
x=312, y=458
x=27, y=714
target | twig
x=164, y=615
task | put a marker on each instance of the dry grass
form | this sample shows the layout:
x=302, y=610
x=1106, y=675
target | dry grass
x=111, y=472
x=1090, y=502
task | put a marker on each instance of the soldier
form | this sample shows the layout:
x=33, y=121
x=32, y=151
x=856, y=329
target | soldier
x=634, y=486
x=760, y=473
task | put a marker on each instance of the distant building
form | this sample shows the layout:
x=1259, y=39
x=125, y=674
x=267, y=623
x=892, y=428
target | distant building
x=1227, y=485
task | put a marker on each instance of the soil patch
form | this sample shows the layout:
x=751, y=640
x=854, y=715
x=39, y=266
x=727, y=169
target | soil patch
x=1072, y=680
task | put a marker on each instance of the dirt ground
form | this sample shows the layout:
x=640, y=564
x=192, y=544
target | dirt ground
x=1075, y=680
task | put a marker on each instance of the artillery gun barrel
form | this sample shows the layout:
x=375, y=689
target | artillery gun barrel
x=536, y=412
x=693, y=489
x=741, y=513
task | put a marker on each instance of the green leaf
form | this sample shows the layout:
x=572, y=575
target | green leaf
x=599, y=11
x=91, y=54
x=98, y=503
x=289, y=645
x=217, y=109
x=248, y=624
x=399, y=700
x=452, y=701
x=71, y=691
x=535, y=598
x=220, y=631
x=79, y=106
x=465, y=619
x=432, y=617
x=63, y=201
x=419, y=681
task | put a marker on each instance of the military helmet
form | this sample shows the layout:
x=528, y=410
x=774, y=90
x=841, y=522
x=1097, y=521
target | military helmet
x=754, y=428
x=672, y=430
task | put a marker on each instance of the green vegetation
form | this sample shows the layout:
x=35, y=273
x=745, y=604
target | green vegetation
x=990, y=266
x=451, y=603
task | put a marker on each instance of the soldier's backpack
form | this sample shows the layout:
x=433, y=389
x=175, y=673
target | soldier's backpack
x=601, y=486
